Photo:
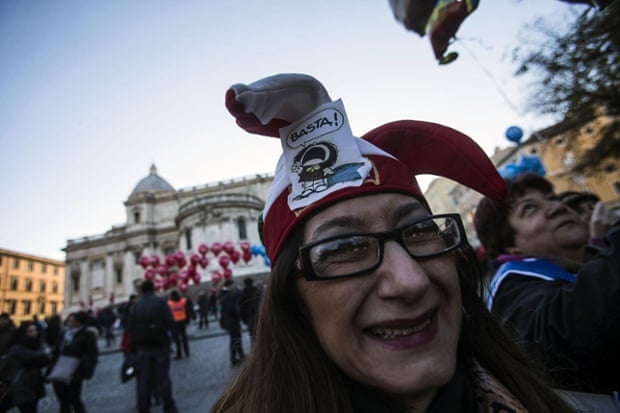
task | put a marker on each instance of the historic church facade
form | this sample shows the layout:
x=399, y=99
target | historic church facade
x=160, y=221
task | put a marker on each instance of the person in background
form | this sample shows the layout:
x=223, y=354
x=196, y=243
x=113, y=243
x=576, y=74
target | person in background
x=7, y=331
x=77, y=340
x=213, y=303
x=149, y=324
x=203, y=310
x=231, y=320
x=28, y=384
x=372, y=303
x=562, y=306
x=249, y=303
x=107, y=318
x=54, y=328
x=182, y=312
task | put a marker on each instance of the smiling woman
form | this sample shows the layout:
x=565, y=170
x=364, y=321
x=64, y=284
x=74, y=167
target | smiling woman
x=373, y=303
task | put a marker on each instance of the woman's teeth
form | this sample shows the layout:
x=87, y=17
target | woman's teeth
x=388, y=333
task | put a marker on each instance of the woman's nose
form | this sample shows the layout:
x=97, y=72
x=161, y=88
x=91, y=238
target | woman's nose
x=400, y=276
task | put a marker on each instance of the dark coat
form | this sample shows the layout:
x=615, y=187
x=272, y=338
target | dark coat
x=249, y=303
x=572, y=328
x=83, y=346
x=28, y=383
x=149, y=322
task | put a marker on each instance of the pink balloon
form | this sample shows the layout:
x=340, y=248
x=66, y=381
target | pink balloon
x=228, y=273
x=196, y=278
x=216, y=248
x=159, y=284
x=174, y=278
x=184, y=274
x=203, y=249
x=181, y=261
x=245, y=246
x=182, y=287
x=224, y=261
x=191, y=270
x=204, y=261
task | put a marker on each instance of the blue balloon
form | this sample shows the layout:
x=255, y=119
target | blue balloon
x=514, y=134
x=266, y=261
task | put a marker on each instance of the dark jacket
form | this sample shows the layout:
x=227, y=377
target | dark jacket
x=83, y=346
x=230, y=319
x=28, y=382
x=249, y=303
x=149, y=322
x=571, y=328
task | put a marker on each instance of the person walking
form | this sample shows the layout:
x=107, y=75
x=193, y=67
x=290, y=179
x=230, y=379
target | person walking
x=231, y=320
x=77, y=340
x=182, y=312
x=249, y=303
x=30, y=356
x=149, y=322
x=203, y=310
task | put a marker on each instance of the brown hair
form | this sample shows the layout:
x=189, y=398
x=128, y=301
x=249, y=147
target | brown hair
x=288, y=370
x=491, y=217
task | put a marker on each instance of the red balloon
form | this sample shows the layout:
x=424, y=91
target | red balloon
x=161, y=270
x=170, y=260
x=216, y=277
x=196, y=278
x=228, y=273
x=245, y=246
x=144, y=261
x=184, y=274
x=216, y=248
x=191, y=270
x=235, y=256
x=159, y=284
x=182, y=287
x=154, y=260
x=203, y=249
x=149, y=274
x=204, y=261
x=224, y=261
x=174, y=278
x=228, y=247
x=181, y=262
x=194, y=259
x=247, y=255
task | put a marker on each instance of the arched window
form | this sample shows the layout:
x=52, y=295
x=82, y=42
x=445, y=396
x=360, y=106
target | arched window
x=188, y=238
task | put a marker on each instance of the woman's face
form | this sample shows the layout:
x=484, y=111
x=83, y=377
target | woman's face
x=72, y=322
x=546, y=228
x=394, y=329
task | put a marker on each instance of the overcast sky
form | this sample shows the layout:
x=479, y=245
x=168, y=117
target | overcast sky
x=93, y=92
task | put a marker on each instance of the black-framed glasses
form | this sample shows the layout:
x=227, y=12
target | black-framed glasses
x=349, y=255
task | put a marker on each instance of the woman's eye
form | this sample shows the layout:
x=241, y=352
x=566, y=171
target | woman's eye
x=342, y=249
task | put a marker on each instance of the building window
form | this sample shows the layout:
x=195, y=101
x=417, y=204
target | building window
x=188, y=238
x=242, y=229
x=75, y=283
x=54, y=307
x=30, y=266
x=15, y=263
x=41, y=305
x=43, y=268
x=136, y=217
x=55, y=287
x=119, y=275
x=55, y=270
x=42, y=286
x=28, y=284
x=12, y=304
x=14, y=284
x=27, y=304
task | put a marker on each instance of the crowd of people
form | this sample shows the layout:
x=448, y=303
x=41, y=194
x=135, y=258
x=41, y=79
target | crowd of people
x=152, y=328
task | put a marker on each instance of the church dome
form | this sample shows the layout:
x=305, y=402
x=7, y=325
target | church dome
x=152, y=183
